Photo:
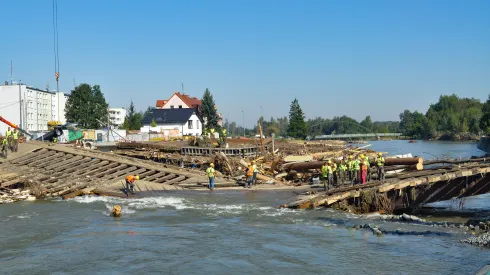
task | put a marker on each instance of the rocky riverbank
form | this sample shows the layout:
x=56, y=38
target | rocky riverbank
x=13, y=195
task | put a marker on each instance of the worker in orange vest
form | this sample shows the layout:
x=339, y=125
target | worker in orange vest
x=130, y=183
x=249, y=174
x=364, y=169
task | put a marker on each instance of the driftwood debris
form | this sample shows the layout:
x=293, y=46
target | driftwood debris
x=259, y=176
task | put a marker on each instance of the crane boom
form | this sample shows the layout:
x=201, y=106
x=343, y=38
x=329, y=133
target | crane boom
x=14, y=126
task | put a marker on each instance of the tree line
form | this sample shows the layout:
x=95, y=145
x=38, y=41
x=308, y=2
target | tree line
x=451, y=118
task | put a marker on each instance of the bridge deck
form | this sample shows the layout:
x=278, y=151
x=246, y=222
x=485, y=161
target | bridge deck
x=426, y=178
x=351, y=136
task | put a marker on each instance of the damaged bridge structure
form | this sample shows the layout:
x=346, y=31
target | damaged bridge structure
x=62, y=171
x=404, y=192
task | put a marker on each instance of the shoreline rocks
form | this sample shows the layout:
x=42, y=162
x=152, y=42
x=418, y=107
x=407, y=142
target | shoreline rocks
x=14, y=195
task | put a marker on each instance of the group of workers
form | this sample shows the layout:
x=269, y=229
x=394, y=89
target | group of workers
x=10, y=142
x=357, y=170
x=250, y=173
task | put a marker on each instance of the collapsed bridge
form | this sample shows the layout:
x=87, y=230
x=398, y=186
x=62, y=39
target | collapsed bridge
x=407, y=191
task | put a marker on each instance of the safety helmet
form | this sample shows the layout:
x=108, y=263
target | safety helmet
x=212, y=164
x=379, y=154
x=137, y=177
x=249, y=164
x=253, y=161
x=329, y=161
x=350, y=157
x=361, y=156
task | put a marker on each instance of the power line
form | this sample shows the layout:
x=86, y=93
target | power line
x=9, y=105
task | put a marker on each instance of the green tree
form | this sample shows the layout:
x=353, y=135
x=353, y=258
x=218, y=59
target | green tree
x=153, y=123
x=367, y=123
x=209, y=111
x=485, y=118
x=297, y=125
x=133, y=119
x=86, y=105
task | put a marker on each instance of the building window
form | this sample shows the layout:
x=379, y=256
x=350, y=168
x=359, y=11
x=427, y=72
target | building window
x=189, y=124
x=197, y=124
x=180, y=106
x=171, y=106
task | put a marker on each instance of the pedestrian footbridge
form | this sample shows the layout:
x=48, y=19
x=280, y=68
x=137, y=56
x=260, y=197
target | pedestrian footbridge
x=357, y=136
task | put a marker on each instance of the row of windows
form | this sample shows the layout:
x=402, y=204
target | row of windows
x=172, y=107
x=39, y=116
x=40, y=95
x=30, y=104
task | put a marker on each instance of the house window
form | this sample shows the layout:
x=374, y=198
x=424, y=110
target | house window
x=189, y=124
x=197, y=124
x=180, y=106
x=171, y=106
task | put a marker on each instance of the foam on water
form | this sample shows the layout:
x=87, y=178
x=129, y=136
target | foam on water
x=131, y=205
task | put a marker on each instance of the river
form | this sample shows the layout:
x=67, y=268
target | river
x=229, y=232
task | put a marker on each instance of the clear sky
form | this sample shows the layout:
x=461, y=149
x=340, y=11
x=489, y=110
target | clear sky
x=355, y=58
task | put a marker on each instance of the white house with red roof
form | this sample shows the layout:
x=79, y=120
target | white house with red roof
x=182, y=101
x=179, y=101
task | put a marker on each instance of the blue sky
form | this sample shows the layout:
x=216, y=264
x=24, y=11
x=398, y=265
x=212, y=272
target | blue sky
x=355, y=58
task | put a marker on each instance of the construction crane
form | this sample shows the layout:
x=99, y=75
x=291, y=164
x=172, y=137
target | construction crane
x=15, y=126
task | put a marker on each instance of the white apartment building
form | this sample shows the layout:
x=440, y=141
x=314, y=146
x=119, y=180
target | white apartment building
x=117, y=116
x=31, y=108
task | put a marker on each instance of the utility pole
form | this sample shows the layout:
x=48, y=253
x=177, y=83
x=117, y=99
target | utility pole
x=10, y=71
x=108, y=123
x=20, y=100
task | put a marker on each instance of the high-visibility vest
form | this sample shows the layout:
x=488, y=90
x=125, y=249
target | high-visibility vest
x=380, y=161
x=334, y=167
x=4, y=141
x=357, y=165
x=250, y=171
x=130, y=178
x=210, y=172
x=342, y=167
x=8, y=133
x=364, y=165
x=350, y=165
x=325, y=171
x=254, y=167
x=15, y=135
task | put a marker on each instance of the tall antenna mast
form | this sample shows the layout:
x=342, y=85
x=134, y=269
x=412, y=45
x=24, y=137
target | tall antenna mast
x=183, y=92
x=10, y=71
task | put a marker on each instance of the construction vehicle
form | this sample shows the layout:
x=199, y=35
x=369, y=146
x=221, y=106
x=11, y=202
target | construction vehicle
x=15, y=126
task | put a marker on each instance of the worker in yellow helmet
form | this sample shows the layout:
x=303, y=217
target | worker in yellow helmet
x=380, y=164
x=15, y=140
x=254, y=177
x=210, y=172
x=356, y=177
x=342, y=169
x=249, y=174
x=8, y=136
x=364, y=169
x=327, y=174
